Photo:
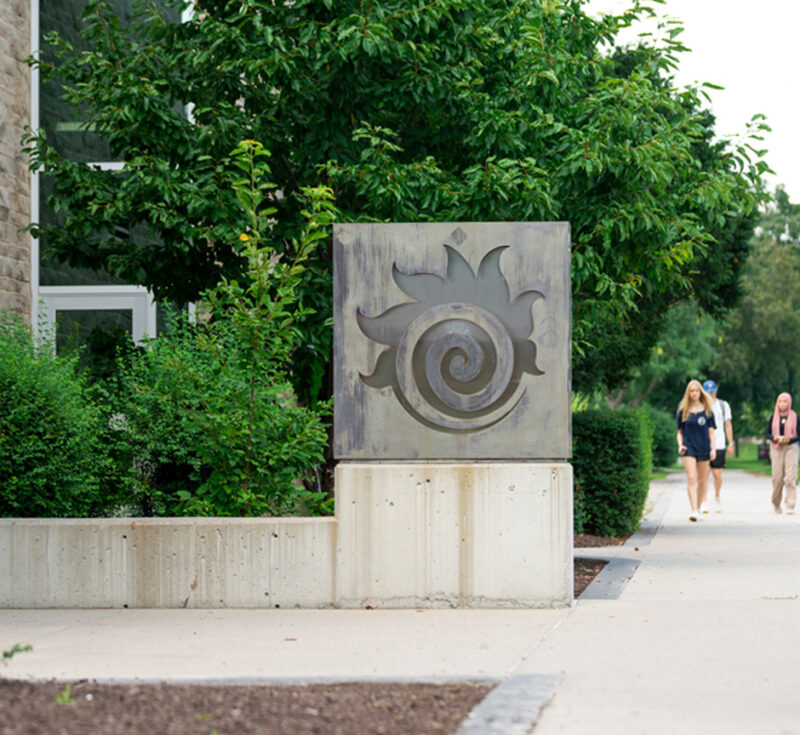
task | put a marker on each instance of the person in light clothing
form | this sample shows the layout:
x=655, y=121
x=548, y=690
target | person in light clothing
x=782, y=431
x=723, y=439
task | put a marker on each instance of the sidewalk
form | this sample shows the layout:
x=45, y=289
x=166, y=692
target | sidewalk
x=702, y=638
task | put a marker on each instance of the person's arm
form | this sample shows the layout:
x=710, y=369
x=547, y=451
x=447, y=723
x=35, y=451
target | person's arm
x=681, y=445
x=729, y=436
x=713, y=453
x=769, y=435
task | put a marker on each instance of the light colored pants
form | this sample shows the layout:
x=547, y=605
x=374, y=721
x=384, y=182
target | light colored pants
x=784, y=473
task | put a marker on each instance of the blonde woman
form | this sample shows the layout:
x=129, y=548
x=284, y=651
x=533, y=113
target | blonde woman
x=696, y=426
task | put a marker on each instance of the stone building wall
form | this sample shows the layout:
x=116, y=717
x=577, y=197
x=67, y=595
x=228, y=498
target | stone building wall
x=15, y=199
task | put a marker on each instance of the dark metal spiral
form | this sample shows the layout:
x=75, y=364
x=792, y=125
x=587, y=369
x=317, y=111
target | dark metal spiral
x=455, y=365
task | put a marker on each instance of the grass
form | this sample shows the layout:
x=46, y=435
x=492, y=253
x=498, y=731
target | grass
x=748, y=461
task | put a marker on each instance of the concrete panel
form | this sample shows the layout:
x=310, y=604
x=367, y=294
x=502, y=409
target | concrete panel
x=454, y=535
x=167, y=562
x=452, y=341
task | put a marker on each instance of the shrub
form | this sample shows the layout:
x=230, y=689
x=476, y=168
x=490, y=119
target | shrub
x=213, y=424
x=54, y=433
x=665, y=448
x=209, y=433
x=611, y=458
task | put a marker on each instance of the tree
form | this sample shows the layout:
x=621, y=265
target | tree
x=686, y=348
x=759, y=350
x=448, y=110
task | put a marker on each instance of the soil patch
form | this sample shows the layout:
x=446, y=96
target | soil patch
x=585, y=570
x=586, y=540
x=316, y=709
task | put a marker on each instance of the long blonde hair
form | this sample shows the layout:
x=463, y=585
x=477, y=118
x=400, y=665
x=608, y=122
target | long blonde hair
x=705, y=399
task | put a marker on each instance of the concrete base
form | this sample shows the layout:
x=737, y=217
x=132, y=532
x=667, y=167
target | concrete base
x=167, y=562
x=492, y=534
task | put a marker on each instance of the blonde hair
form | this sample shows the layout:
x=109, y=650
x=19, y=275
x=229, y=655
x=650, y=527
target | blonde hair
x=705, y=399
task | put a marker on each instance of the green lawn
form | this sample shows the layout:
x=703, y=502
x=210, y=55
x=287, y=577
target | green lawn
x=748, y=460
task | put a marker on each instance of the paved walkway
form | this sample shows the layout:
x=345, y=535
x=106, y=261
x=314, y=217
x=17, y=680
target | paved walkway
x=692, y=628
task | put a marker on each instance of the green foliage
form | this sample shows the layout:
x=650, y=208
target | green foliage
x=454, y=110
x=14, y=650
x=214, y=425
x=747, y=459
x=665, y=450
x=65, y=696
x=55, y=439
x=611, y=459
x=758, y=352
x=686, y=347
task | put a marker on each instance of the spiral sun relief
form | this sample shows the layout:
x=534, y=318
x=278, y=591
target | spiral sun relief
x=456, y=354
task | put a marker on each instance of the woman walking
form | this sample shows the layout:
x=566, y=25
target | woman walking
x=696, y=426
x=782, y=432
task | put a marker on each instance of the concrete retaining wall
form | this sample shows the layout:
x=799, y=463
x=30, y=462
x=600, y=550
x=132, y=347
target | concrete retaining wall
x=167, y=562
x=405, y=535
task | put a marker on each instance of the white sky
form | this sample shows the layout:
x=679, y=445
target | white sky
x=751, y=49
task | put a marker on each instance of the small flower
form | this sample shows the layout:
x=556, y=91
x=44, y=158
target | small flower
x=244, y=237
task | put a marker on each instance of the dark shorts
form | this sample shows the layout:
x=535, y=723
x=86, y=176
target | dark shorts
x=699, y=458
x=719, y=461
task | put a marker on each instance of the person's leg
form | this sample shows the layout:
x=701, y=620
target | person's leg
x=776, y=458
x=702, y=481
x=717, y=472
x=690, y=466
x=790, y=476
x=702, y=487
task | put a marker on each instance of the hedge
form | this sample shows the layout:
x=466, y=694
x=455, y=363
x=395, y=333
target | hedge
x=611, y=459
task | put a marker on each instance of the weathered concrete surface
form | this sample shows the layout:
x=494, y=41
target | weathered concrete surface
x=495, y=534
x=452, y=341
x=167, y=562
x=411, y=535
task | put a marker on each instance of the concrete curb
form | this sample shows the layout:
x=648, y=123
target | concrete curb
x=608, y=585
x=513, y=707
x=267, y=680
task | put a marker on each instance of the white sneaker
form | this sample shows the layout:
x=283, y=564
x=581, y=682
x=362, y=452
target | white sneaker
x=704, y=508
x=718, y=505
x=693, y=515
x=790, y=511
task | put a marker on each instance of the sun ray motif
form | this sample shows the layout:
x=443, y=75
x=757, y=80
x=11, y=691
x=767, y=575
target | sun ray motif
x=455, y=354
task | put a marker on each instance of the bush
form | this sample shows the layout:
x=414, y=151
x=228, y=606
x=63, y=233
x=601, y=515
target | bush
x=611, y=459
x=213, y=424
x=665, y=448
x=54, y=433
x=209, y=433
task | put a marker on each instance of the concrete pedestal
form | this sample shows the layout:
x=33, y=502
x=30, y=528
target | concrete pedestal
x=482, y=534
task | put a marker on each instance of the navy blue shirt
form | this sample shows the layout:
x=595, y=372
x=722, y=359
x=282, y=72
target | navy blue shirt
x=695, y=433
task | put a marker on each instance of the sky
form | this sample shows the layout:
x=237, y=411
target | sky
x=750, y=49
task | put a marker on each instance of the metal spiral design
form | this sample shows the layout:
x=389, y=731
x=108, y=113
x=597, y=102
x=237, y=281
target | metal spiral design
x=455, y=367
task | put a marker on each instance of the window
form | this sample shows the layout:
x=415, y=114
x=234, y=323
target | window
x=77, y=300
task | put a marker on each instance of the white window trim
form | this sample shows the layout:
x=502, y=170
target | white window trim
x=136, y=299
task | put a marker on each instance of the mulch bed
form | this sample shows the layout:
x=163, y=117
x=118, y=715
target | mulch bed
x=366, y=708
x=585, y=570
x=166, y=709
